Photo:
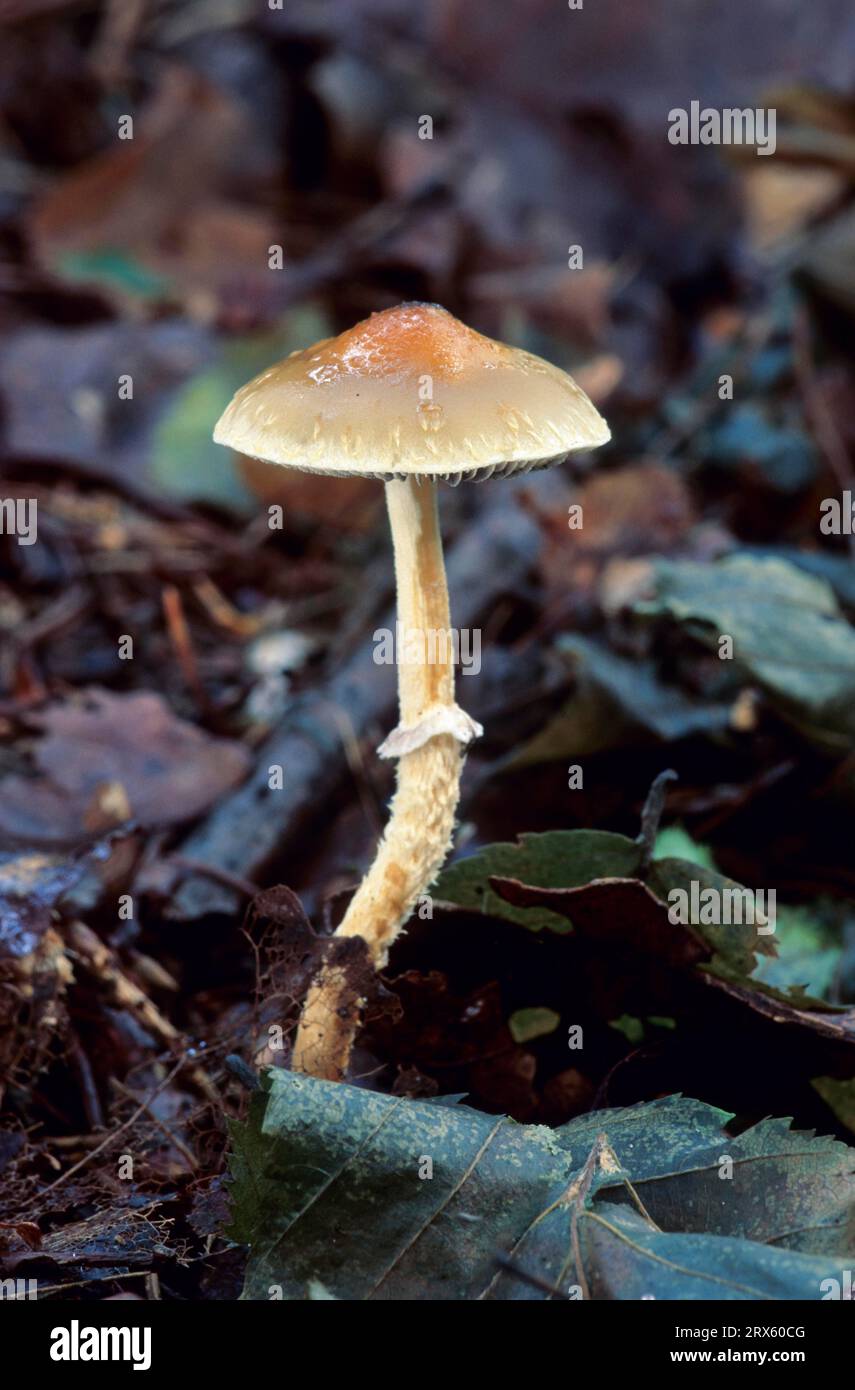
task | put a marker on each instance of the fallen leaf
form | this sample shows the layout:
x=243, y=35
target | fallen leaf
x=627, y=1258
x=787, y=629
x=170, y=770
x=557, y=859
x=616, y=702
x=384, y=1198
x=591, y=881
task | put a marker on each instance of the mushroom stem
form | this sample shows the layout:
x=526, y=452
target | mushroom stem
x=429, y=746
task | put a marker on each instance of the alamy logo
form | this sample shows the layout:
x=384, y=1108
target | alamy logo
x=15, y=1290
x=723, y=907
x=412, y=646
x=19, y=517
x=76, y=1343
x=843, y=1288
x=838, y=514
x=733, y=125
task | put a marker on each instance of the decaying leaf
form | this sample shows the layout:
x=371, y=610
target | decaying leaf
x=97, y=742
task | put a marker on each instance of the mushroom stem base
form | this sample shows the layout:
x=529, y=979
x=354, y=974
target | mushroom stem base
x=330, y=1021
x=409, y=856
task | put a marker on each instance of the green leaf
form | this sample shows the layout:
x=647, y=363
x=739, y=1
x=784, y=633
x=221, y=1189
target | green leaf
x=536, y=883
x=770, y=1184
x=809, y=941
x=186, y=463
x=735, y=945
x=113, y=269
x=628, y=1259
x=676, y=843
x=788, y=633
x=631, y=1027
x=562, y=860
x=327, y=1188
x=556, y=859
x=377, y=1197
x=839, y=1096
x=527, y=1024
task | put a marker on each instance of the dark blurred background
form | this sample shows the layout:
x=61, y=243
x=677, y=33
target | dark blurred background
x=300, y=126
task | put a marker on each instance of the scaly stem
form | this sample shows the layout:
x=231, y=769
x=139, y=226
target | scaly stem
x=430, y=758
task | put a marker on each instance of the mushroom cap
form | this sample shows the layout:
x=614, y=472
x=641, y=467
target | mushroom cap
x=408, y=391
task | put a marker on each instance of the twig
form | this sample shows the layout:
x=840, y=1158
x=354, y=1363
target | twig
x=651, y=816
x=578, y=1194
x=91, y=1099
x=117, y=31
x=244, y=886
x=526, y=1277
x=179, y=634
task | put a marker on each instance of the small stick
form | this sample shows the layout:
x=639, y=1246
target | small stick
x=651, y=816
x=91, y=1099
x=243, y=886
x=179, y=633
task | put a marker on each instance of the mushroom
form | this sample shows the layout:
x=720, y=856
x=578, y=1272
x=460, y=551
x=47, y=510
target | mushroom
x=410, y=396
